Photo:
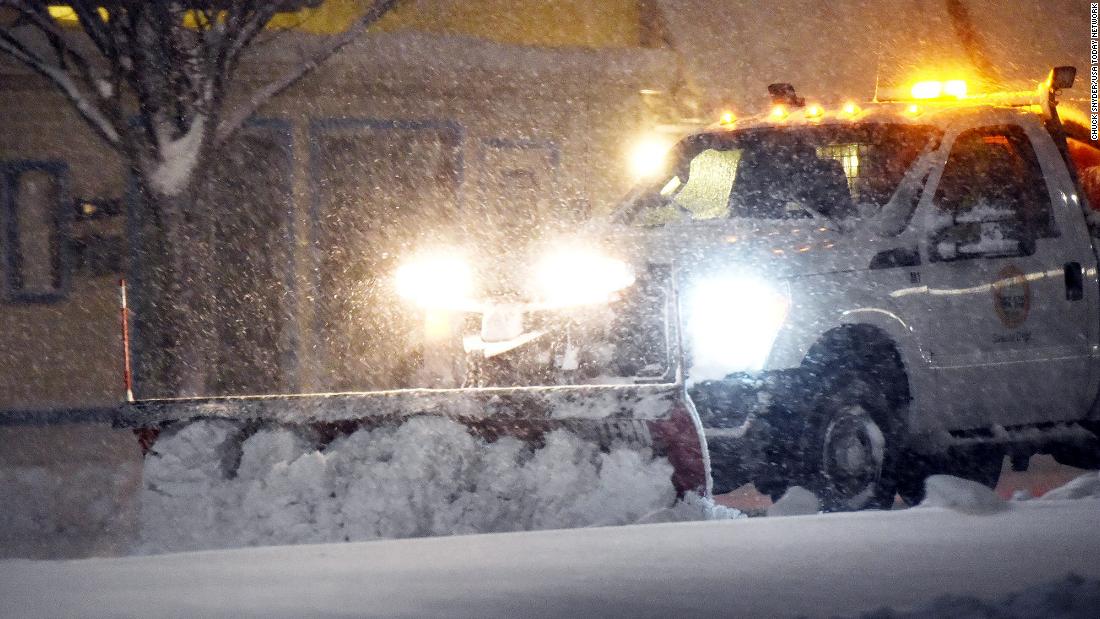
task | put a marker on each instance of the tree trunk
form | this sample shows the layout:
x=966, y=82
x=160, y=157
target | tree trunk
x=167, y=272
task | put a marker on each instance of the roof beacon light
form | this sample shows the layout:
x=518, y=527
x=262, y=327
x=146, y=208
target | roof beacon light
x=850, y=108
x=727, y=118
x=779, y=112
x=954, y=88
x=814, y=111
x=927, y=90
x=938, y=90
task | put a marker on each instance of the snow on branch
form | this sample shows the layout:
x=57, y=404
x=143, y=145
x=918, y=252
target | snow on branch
x=236, y=118
x=65, y=83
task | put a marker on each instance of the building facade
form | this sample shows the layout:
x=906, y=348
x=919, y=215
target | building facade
x=447, y=111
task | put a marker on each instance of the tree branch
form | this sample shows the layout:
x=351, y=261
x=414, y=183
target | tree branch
x=95, y=117
x=235, y=119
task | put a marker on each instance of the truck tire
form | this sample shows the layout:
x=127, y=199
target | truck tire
x=849, y=453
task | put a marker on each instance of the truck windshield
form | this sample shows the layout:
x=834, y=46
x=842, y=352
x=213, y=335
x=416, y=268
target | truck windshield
x=833, y=171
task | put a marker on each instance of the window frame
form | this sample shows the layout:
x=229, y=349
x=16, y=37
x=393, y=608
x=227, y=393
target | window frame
x=14, y=291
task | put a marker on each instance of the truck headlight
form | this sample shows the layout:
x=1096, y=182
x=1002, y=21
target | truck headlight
x=732, y=322
x=437, y=281
x=572, y=277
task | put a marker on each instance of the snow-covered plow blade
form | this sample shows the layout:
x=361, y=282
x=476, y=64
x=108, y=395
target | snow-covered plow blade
x=328, y=467
x=654, y=417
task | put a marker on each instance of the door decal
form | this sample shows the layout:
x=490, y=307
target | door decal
x=1011, y=297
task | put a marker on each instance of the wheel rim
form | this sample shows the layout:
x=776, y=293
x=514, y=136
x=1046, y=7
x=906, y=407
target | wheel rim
x=853, y=456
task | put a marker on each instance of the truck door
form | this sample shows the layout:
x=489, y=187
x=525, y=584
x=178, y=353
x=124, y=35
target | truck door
x=1008, y=304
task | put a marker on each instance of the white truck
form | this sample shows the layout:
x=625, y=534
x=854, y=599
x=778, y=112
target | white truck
x=884, y=291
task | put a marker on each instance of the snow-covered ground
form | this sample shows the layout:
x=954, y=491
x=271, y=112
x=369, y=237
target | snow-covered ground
x=819, y=565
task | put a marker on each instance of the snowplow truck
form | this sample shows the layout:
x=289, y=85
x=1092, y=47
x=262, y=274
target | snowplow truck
x=848, y=298
x=872, y=293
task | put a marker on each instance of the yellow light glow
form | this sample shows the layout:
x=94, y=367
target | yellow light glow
x=938, y=89
x=66, y=15
x=779, y=112
x=648, y=156
x=437, y=325
x=927, y=90
x=814, y=111
x=955, y=88
x=437, y=281
x=577, y=276
x=912, y=109
x=850, y=108
x=728, y=118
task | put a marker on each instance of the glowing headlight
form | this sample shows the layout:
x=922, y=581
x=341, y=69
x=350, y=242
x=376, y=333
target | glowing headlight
x=648, y=156
x=732, y=321
x=580, y=277
x=437, y=281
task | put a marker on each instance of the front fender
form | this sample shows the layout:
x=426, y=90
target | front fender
x=821, y=304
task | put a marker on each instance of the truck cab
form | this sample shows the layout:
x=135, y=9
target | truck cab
x=875, y=292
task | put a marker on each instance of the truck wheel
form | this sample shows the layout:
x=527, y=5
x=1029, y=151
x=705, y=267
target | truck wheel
x=849, y=455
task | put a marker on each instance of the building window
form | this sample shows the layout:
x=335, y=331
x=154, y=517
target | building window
x=34, y=215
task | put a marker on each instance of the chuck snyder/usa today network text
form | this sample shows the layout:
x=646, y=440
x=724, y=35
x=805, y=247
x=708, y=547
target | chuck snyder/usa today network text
x=1094, y=69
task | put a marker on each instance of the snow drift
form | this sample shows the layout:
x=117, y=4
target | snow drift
x=810, y=566
x=1086, y=486
x=1072, y=597
x=428, y=476
x=963, y=495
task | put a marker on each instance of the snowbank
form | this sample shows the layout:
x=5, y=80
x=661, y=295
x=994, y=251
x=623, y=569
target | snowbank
x=810, y=566
x=1072, y=597
x=1086, y=486
x=962, y=495
x=426, y=477
x=796, y=501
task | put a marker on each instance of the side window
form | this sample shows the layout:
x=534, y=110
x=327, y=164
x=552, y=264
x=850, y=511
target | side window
x=992, y=199
x=34, y=212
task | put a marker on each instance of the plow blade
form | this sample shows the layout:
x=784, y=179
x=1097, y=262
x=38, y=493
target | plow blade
x=234, y=471
x=657, y=417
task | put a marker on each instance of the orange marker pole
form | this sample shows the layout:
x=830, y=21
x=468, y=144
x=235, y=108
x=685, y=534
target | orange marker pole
x=127, y=377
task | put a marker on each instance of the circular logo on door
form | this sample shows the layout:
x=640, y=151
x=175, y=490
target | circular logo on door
x=1011, y=297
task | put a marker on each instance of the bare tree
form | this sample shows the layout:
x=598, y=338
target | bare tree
x=157, y=81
